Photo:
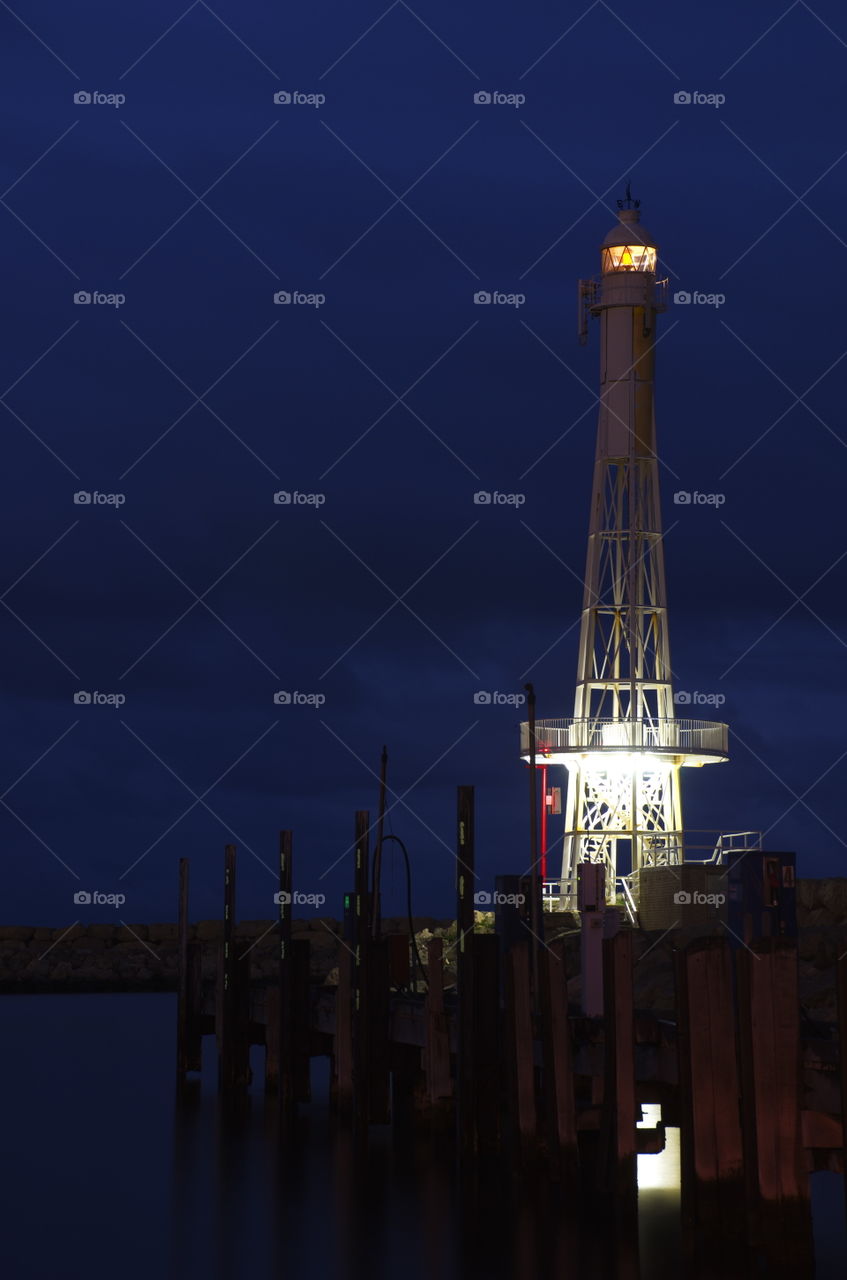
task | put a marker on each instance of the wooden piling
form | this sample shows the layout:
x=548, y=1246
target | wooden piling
x=439, y=1085
x=283, y=1005
x=233, y=995
x=771, y=1081
x=361, y=979
x=559, y=1097
x=300, y=1022
x=196, y=1019
x=519, y=1044
x=841, y=979
x=343, y=1045
x=182, y=996
x=712, y=1146
x=379, y=1056
x=488, y=1041
x=618, y=1123
x=465, y=1064
x=226, y=982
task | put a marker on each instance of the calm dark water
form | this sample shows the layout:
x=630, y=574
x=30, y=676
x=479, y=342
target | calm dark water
x=103, y=1176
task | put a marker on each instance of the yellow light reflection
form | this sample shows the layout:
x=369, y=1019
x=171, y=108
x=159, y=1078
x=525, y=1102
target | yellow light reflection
x=659, y=1172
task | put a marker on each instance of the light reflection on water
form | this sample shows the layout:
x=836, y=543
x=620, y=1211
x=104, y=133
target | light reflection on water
x=136, y=1188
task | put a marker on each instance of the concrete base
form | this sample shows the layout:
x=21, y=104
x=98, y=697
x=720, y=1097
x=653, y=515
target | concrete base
x=689, y=894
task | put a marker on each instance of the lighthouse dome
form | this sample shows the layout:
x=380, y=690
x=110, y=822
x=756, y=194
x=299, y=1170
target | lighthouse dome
x=629, y=230
x=628, y=246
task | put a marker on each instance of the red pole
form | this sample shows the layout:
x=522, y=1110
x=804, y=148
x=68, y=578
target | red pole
x=543, y=769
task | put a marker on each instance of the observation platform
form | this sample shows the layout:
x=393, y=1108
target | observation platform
x=683, y=742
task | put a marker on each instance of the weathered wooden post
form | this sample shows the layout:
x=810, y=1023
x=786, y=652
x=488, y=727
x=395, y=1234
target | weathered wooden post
x=712, y=1144
x=771, y=1080
x=189, y=979
x=841, y=970
x=361, y=982
x=465, y=1064
x=225, y=1016
x=233, y=997
x=618, y=1140
x=520, y=1051
x=439, y=1086
x=301, y=1034
x=285, y=1009
x=379, y=1071
x=487, y=1041
x=559, y=1097
x=343, y=1046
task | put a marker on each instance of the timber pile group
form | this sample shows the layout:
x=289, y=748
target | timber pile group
x=511, y=1071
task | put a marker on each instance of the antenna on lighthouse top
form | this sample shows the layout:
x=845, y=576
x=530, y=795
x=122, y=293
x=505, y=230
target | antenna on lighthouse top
x=629, y=203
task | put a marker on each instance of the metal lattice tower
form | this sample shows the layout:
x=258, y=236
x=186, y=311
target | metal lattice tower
x=623, y=747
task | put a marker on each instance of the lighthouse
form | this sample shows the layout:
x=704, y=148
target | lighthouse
x=623, y=747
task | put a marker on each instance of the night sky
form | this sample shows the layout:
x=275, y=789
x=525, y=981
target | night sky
x=397, y=199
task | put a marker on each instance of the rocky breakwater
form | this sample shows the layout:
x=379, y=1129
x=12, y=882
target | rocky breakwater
x=143, y=957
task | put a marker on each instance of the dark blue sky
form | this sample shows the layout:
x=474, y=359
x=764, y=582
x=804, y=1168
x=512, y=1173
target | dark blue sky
x=198, y=199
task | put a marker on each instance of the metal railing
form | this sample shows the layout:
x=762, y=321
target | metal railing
x=682, y=737
x=628, y=901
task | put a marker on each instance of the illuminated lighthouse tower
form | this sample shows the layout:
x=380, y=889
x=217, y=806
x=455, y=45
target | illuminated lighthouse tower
x=623, y=747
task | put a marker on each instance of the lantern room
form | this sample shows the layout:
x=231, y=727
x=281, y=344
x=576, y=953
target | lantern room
x=628, y=246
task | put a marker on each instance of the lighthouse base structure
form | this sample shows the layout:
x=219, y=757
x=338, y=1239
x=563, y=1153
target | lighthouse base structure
x=623, y=798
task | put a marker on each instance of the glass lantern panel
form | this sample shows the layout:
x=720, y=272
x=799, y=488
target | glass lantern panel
x=629, y=257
